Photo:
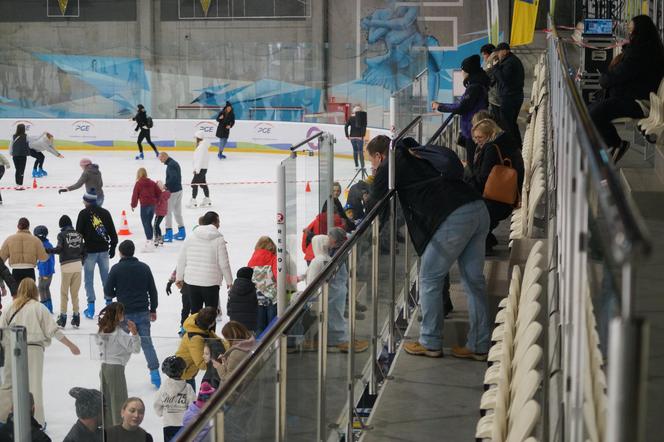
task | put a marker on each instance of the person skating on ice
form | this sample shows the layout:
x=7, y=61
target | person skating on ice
x=201, y=160
x=143, y=126
x=174, y=185
x=226, y=120
x=39, y=145
x=90, y=178
x=4, y=165
x=46, y=269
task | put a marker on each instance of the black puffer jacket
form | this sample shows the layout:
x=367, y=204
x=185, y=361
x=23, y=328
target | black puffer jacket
x=509, y=75
x=243, y=303
x=225, y=120
x=635, y=76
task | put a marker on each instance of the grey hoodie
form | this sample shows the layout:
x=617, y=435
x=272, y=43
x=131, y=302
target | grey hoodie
x=91, y=178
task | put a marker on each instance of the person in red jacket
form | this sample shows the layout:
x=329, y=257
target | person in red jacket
x=264, y=263
x=147, y=193
x=160, y=211
x=318, y=227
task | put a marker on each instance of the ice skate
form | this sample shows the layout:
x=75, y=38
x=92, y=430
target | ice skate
x=192, y=203
x=42, y=173
x=155, y=378
x=149, y=246
x=75, y=320
x=35, y=173
x=206, y=202
x=90, y=311
x=139, y=156
x=168, y=237
x=181, y=235
x=62, y=320
x=221, y=156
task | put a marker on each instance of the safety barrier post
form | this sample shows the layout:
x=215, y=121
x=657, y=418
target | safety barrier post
x=322, y=360
x=20, y=383
x=375, y=252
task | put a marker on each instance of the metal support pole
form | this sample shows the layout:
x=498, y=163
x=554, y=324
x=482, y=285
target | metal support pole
x=282, y=377
x=352, y=294
x=391, y=343
x=406, y=295
x=20, y=383
x=281, y=239
x=375, y=251
x=219, y=426
x=322, y=360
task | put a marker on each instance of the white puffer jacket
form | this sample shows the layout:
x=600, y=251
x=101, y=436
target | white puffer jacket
x=203, y=260
x=201, y=155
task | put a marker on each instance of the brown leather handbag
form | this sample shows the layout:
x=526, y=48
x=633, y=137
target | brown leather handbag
x=502, y=184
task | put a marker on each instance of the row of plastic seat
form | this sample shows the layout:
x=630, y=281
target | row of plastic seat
x=513, y=378
x=594, y=391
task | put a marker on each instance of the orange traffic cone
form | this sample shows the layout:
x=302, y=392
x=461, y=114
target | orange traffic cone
x=307, y=187
x=34, y=183
x=124, y=230
x=40, y=205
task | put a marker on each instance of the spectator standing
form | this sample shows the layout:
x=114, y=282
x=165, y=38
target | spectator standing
x=160, y=212
x=174, y=396
x=21, y=251
x=201, y=160
x=174, y=186
x=203, y=264
x=71, y=249
x=91, y=179
x=489, y=63
x=452, y=229
x=46, y=269
x=147, y=193
x=264, y=263
x=143, y=126
x=26, y=310
x=226, y=120
x=198, y=328
x=133, y=412
x=242, y=299
x=241, y=342
x=474, y=98
x=88, y=406
x=355, y=130
x=4, y=165
x=96, y=226
x=509, y=75
x=357, y=202
x=132, y=283
x=318, y=227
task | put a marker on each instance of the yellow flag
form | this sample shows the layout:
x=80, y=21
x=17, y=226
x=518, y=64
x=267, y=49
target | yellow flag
x=523, y=22
x=206, y=6
x=63, y=6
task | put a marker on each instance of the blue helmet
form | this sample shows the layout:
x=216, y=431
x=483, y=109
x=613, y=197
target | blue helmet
x=40, y=232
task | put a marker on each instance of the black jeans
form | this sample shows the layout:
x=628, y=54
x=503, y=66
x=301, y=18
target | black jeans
x=186, y=304
x=510, y=106
x=21, y=274
x=170, y=432
x=604, y=111
x=39, y=159
x=200, y=296
x=19, y=165
x=199, y=178
x=157, y=225
x=144, y=134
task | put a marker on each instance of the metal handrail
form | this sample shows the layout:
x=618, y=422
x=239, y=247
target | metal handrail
x=441, y=129
x=407, y=129
x=232, y=383
x=636, y=242
x=303, y=142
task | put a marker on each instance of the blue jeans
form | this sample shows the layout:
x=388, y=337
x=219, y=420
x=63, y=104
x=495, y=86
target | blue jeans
x=147, y=213
x=101, y=259
x=142, y=321
x=460, y=237
x=337, y=328
x=222, y=144
x=358, y=154
x=266, y=313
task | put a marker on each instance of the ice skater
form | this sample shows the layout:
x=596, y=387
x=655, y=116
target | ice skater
x=147, y=193
x=201, y=159
x=173, y=185
x=46, y=269
x=39, y=145
x=226, y=119
x=91, y=178
x=143, y=126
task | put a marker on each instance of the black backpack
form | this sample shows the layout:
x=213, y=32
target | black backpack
x=150, y=123
x=443, y=159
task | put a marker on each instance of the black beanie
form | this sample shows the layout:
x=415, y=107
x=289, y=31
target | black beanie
x=64, y=221
x=88, y=402
x=127, y=248
x=471, y=64
x=245, y=272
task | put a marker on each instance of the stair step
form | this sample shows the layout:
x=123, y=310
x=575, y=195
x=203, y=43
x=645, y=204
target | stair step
x=647, y=191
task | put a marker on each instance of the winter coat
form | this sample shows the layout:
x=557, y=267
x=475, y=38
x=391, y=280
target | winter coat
x=322, y=257
x=225, y=120
x=131, y=281
x=146, y=191
x=46, y=267
x=317, y=227
x=37, y=320
x=7, y=278
x=4, y=162
x=494, y=98
x=162, y=205
x=91, y=178
x=201, y=156
x=116, y=348
x=189, y=416
x=141, y=119
x=234, y=356
x=356, y=201
x=487, y=156
x=475, y=98
x=42, y=143
x=119, y=434
x=173, y=176
x=427, y=198
x=636, y=75
x=242, y=303
x=80, y=433
x=264, y=264
x=19, y=147
x=355, y=130
x=509, y=77
x=36, y=432
x=96, y=225
x=203, y=259
x=71, y=247
x=191, y=347
x=23, y=250
x=172, y=400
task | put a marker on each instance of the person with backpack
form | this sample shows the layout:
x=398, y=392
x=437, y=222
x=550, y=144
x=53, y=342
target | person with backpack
x=143, y=126
x=447, y=222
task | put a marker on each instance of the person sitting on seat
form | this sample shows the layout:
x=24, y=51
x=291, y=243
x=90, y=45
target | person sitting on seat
x=631, y=76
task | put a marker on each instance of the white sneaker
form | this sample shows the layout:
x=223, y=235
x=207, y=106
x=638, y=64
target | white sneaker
x=206, y=202
x=193, y=203
x=149, y=246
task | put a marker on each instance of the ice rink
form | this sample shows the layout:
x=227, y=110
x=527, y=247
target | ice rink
x=247, y=211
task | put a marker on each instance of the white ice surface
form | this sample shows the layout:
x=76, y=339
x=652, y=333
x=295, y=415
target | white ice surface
x=247, y=211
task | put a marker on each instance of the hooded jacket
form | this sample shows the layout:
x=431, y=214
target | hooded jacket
x=172, y=400
x=192, y=345
x=234, y=356
x=321, y=249
x=203, y=259
x=201, y=155
x=161, y=209
x=131, y=281
x=116, y=348
x=146, y=191
x=264, y=264
x=173, y=176
x=23, y=250
x=243, y=303
x=71, y=247
x=317, y=227
x=91, y=179
x=96, y=225
x=225, y=120
x=475, y=98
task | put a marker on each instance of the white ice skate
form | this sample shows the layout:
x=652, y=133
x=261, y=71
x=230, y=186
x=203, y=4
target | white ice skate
x=192, y=203
x=149, y=246
x=206, y=202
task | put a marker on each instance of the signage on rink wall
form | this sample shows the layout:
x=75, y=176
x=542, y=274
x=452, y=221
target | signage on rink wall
x=119, y=134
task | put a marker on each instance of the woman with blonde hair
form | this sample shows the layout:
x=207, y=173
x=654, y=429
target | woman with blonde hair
x=264, y=263
x=494, y=147
x=27, y=311
x=147, y=193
